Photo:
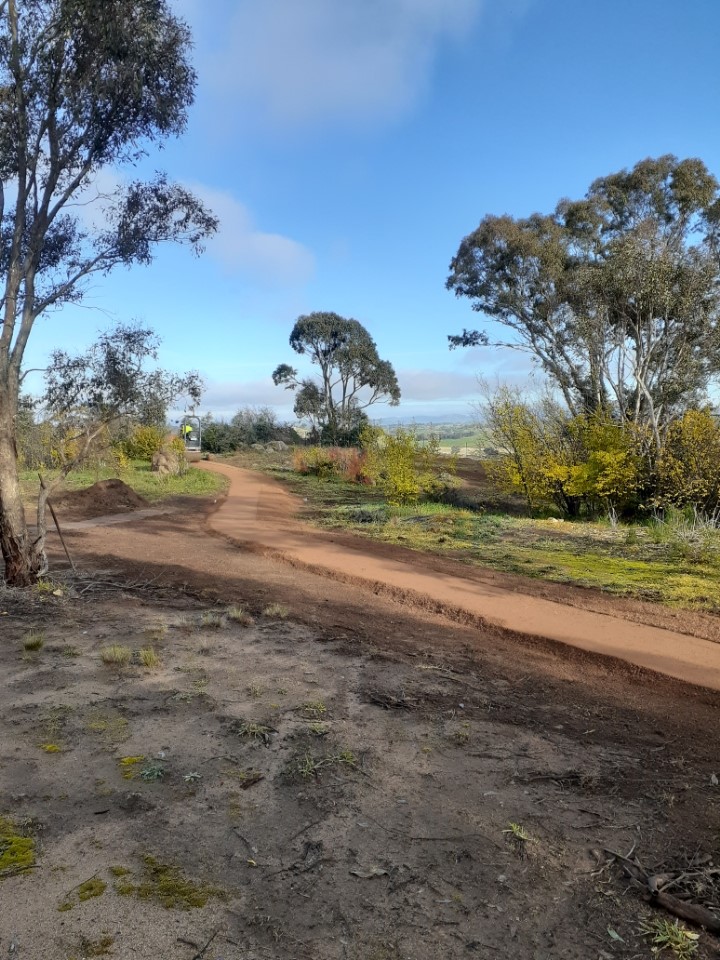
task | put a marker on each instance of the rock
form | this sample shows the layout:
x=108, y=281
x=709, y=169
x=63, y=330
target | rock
x=166, y=463
x=277, y=445
x=258, y=446
x=135, y=803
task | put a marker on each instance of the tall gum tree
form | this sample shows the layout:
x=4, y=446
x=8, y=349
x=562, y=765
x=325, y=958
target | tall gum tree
x=351, y=378
x=616, y=296
x=84, y=84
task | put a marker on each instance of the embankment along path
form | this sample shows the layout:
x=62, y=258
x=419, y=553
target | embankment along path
x=259, y=513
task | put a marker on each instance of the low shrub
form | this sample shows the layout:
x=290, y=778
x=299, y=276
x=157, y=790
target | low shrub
x=405, y=468
x=688, y=468
x=332, y=463
x=584, y=465
x=142, y=442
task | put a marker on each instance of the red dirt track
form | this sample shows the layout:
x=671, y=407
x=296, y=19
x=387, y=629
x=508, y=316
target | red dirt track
x=258, y=513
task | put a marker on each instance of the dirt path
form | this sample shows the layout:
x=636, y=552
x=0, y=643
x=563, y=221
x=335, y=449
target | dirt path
x=260, y=512
x=345, y=771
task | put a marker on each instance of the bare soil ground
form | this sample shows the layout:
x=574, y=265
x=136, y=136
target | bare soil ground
x=337, y=782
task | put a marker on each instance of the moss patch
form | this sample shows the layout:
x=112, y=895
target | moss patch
x=128, y=764
x=94, y=887
x=167, y=885
x=111, y=728
x=17, y=851
x=91, y=888
x=96, y=948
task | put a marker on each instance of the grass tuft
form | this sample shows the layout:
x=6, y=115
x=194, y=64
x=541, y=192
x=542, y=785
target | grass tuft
x=116, y=655
x=670, y=936
x=211, y=620
x=255, y=733
x=309, y=766
x=277, y=610
x=34, y=641
x=148, y=658
x=315, y=709
x=519, y=838
x=239, y=615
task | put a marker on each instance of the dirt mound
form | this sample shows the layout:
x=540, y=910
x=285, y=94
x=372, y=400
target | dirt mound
x=104, y=497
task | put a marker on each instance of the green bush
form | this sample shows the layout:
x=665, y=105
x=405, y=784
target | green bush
x=583, y=465
x=405, y=468
x=143, y=442
x=688, y=468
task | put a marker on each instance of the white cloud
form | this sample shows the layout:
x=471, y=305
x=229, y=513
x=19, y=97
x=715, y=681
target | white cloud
x=423, y=385
x=419, y=387
x=265, y=257
x=225, y=398
x=298, y=62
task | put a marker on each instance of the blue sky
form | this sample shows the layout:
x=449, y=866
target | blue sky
x=349, y=145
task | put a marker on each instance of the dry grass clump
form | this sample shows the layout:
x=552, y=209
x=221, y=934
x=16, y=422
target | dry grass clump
x=116, y=655
x=239, y=615
x=277, y=610
x=211, y=619
x=148, y=658
x=34, y=641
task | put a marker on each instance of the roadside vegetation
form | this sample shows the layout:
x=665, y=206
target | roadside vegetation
x=469, y=509
x=138, y=475
x=121, y=451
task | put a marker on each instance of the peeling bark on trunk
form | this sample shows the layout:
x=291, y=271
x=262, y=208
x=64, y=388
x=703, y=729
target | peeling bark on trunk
x=14, y=538
x=23, y=563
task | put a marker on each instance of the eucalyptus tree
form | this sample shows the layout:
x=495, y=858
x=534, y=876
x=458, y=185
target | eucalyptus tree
x=616, y=296
x=85, y=85
x=87, y=391
x=351, y=378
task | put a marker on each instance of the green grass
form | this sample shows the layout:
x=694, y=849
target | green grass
x=587, y=554
x=473, y=441
x=139, y=476
x=670, y=937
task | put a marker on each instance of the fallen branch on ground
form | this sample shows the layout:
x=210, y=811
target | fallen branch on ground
x=653, y=892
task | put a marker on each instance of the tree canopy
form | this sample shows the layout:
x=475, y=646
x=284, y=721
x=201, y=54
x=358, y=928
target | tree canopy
x=83, y=84
x=111, y=379
x=616, y=296
x=352, y=375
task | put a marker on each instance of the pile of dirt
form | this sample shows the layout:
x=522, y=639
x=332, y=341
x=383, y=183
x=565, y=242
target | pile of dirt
x=102, y=498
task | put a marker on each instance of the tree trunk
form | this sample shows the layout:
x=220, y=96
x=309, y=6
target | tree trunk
x=22, y=565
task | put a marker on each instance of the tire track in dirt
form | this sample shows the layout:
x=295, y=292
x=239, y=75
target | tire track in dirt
x=258, y=513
